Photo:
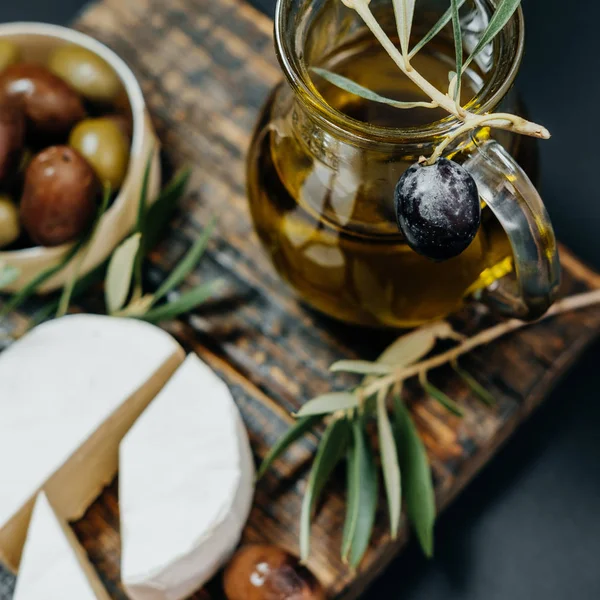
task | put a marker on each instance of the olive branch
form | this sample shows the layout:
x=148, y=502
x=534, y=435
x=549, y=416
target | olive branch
x=404, y=461
x=450, y=100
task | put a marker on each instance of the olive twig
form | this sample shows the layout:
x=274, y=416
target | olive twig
x=486, y=336
x=499, y=120
x=471, y=120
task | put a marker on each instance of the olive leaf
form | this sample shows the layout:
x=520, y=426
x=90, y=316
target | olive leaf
x=404, y=11
x=501, y=16
x=65, y=297
x=363, y=493
x=475, y=386
x=331, y=449
x=329, y=403
x=443, y=21
x=363, y=367
x=458, y=48
x=140, y=226
x=438, y=395
x=390, y=465
x=186, y=265
x=295, y=432
x=358, y=90
x=158, y=215
x=8, y=274
x=413, y=346
x=184, y=303
x=416, y=476
x=155, y=220
x=119, y=273
x=353, y=468
x=143, y=200
x=163, y=209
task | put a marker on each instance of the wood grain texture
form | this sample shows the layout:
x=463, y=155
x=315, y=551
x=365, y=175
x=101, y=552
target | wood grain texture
x=206, y=67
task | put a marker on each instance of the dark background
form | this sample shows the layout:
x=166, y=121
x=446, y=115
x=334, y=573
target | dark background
x=528, y=528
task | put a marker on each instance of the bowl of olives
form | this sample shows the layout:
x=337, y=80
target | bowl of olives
x=73, y=123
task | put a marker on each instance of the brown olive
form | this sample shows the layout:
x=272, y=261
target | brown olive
x=12, y=139
x=86, y=73
x=10, y=227
x=103, y=144
x=9, y=54
x=59, y=196
x=50, y=104
x=263, y=572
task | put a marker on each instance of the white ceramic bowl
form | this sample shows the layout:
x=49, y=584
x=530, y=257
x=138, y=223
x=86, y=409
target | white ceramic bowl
x=36, y=40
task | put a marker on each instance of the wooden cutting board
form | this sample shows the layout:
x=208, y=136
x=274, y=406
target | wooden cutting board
x=206, y=67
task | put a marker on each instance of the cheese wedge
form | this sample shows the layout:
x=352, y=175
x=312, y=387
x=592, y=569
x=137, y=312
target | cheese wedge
x=50, y=568
x=69, y=391
x=186, y=483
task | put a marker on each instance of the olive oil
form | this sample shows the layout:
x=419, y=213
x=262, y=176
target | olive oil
x=323, y=207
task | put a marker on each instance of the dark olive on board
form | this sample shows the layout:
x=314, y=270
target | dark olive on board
x=86, y=73
x=263, y=572
x=51, y=106
x=104, y=146
x=59, y=196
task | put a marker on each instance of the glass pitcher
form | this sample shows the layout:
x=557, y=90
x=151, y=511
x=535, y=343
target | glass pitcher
x=323, y=165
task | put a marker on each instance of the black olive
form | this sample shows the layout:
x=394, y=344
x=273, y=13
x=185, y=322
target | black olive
x=437, y=208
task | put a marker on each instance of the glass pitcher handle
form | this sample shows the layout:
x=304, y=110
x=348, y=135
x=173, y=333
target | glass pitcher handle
x=515, y=202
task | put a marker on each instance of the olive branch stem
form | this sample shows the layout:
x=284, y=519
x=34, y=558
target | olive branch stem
x=446, y=101
x=404, y=460
x=486, y=336
x=505, y=121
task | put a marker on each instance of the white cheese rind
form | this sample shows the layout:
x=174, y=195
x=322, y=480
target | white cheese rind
x=70, y=390
x=186, y=483
x=51, y=569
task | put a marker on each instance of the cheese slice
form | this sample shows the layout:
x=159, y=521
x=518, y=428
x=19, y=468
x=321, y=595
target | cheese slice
x=69, y=391
x=186, y=483
x=51, y=569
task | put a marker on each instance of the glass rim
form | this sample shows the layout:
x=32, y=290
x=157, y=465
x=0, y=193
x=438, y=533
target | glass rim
x=348, y=127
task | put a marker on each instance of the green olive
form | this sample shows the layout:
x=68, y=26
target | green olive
x=10, y=227
x=9, y=54
x=86, y=73
x=105, y=147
